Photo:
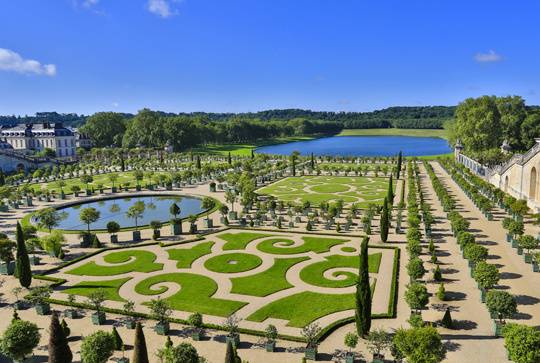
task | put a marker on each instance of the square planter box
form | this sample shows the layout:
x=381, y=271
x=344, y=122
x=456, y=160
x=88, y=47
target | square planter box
x=99, y=318
x=123, y=360
x=71, y=313
x=222, y=220
x=378, y=358
x=162, y=328
x=528, y=258
x=311, y=353
x=7, y=268
x=235, y=340
x=136, y=236
x=193, y=228
x=138, y=188
x=208, y=223
x=18, y=305
x=514, y=243
x=349, y=358
x=35, y=260
x=519, y=251
x=114, y=189
x=43, y=309
x=156, y=234
x=88, y=192
x=233, y=216
x=86, y=240
x=497, y=328
x=176, y=228
x=114, y=238
x=535, y=267
x=129, y=324
x=508, y=238
x=270, y=346
x=196, y=335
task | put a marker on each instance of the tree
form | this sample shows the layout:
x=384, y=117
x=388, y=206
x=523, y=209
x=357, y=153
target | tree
x=501, y=303
x=475, y=253
x=230, y=354
x=528, y=243
x=87, y=179
x=96, y=298
x=522, y=343
x=48, y=218
x=113, y=227
x=363, y=292
x=420, y=345
x=161, y=310
x=23, y=272
x=118, y=343
x=136, y=211
x=105, y=128
x=207, y=204
x=89, y=216
x=351, y=341
x=174, y=210
x=377, y=341
x=416, y=296
x=398, y=166
x=385, y=221
x=230, y=197
x=447, y=319
x=19, y=339
x=390, y=193
x=59, y=351
x=182, y=353
x=97, y=347
x=486, y=275
x=140, y=353
x=415, y=268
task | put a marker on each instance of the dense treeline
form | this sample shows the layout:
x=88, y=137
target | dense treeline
x=68, y=119
x=483, y=124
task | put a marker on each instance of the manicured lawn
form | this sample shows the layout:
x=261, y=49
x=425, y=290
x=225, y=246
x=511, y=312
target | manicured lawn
x=303, y=308
x=195, y=294
x=316, y=189
x=127, y=260
x=284, y=246
x=442, y=133
x=233, y=263
x=239, y=241
x=314, y=273
x=110, y=287
x=266, y=282
x=186, y=256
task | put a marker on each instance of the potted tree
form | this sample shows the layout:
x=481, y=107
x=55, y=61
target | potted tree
x=212, y=187
x=19, y=340
x=97, y=347
x=7, y=267
x=135, y=212
x=61, y=184
x=231, y=197
x=310, y=333
x=502, y=305
x=417, y=297
x=223, y=210
x=271, y=334
x=176, y=223
x=535, y=263
x=113, y=228
x=351, y=341
x=129, y=308
x=207, y=204
x=71, y=313
x=18, y=304
x=38, y=297
x=486, y=276
x=527, y=242
x=139, y=175
x=96, y=299
x=377, y=341
x=231, y=325
x=192, y=224
x=113, y=178
x=161, y=311
x=87, y=179
x=196, y=321
x=156, y=226
x=88, y=216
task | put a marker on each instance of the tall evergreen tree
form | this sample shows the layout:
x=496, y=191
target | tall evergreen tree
x=230, y=356
x=363, y=292
x=385, y=221
x=140, y=353
x=312, y=161
x=59, y=351
x=398, y=167
x=198, y=162
x=252, y=154
x=2, y=178
x=229, y=160
x=390, y=194
x=24, y=273
x=118, y=342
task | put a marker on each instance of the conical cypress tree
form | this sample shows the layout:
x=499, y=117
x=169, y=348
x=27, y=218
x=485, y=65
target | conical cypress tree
x=229, y=160
x=447, y=319
x=65, y=328
x=252, y=154
x=59, y=351
x=118, y=342
x=230, y=356
x=312, y=162
x=140, y=353
x=198, y=162
x=385, y=221
x=24, y=273
x=390, y=194
x=398, y=167
x=363, y=292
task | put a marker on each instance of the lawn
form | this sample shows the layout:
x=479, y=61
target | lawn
x=127, y=261
x=239, y=241
x=442, y=133
x=186, y=256
x=109, y=287
x=285, y=246
x=233, y=263
x=362, y=190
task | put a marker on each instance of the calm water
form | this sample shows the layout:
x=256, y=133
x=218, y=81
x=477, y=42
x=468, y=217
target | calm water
x=362, y=146
x=157, y=208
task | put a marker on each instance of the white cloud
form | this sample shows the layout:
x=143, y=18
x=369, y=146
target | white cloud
x=12, y=62
x=489, y=57
x=115, y=104
x=162, y=8
x=89, y=3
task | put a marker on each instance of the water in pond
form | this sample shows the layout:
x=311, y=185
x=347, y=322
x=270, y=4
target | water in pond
x=362, y=146
x=157, y=208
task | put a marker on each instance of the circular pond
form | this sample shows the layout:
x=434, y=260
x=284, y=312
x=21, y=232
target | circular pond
x=156, y=209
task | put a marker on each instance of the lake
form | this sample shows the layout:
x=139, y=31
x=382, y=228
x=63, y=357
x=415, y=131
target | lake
x=156, y=208
x=362, y=146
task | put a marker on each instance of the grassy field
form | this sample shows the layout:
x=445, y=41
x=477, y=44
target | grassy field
x=245, y=149
x=395, y=132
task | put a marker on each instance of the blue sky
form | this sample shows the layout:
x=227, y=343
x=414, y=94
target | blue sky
x=247, y=55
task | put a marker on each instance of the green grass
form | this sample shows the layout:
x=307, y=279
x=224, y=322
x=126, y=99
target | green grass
x=186, y=256
x=239, y=241
x=233, y=263
x=316, y=189
x=303, y=308
x=110, y=287
x=313, y=244
x=349, y=249
x=314, y=274
x=140, y=261
x=195, y=294
x=395, y=132
x=266, y=282
x=245, y=149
